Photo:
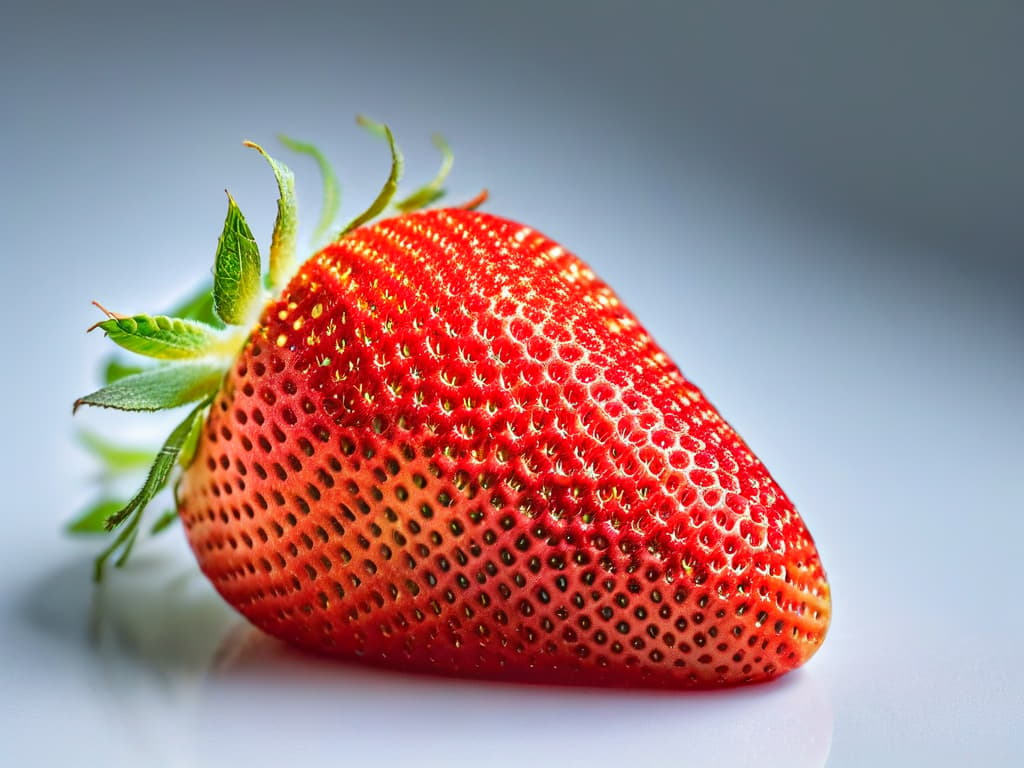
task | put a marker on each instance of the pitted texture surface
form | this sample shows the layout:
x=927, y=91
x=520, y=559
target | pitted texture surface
x=449, y=447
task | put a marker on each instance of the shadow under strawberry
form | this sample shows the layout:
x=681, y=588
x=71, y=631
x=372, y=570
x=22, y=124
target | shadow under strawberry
x=189, y=680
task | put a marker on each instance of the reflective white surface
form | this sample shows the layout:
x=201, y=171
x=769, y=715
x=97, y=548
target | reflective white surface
x=181, y=680
x=816, y=213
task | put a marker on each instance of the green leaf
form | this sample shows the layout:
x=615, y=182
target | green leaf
x=125, y=541
x=115, y=458
x=160, y=471
x=156, y=480
x=159, y=388
x=188, y=448
x=94, y=518
x=434, y=189
x=236, y=270
x=390, y=185
x=372, y=126
x=116, y=369
x=332, y=190
x=162, y=337
x=282, y=247
x=199, y=307
x=164, y=521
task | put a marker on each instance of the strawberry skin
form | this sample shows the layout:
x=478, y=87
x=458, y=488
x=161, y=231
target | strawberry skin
x=448, y=447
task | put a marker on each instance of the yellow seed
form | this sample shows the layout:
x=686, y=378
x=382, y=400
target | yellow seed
x=317, y=311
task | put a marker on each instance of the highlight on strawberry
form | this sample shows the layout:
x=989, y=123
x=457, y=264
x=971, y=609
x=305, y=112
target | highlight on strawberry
x=441, y=443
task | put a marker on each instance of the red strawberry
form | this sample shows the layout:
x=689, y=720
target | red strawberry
x=447, y=446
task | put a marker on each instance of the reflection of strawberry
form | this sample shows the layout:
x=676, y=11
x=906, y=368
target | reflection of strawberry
x=447, y=446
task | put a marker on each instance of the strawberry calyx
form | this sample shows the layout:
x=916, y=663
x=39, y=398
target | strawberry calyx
x=194, y=345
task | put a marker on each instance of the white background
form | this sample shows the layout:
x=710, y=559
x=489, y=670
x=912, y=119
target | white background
x=816, y=213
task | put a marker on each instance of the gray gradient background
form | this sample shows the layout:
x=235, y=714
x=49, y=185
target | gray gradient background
x=817, y=212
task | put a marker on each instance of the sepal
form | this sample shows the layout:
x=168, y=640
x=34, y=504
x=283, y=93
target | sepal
x=116, y=459
x=199, y=306
x=94, y=519
x=282, y=245
x=387, y=192
x=130, y=516
x=433, y=190
x=160, y=336
x=165, y=521
x=156, y=389
x=331, y=200
x=115, y=369
x=236, y=270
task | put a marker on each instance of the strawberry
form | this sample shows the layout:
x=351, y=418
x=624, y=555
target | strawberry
x=445, y=445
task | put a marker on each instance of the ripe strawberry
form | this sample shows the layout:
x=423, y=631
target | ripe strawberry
x=447, y=446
